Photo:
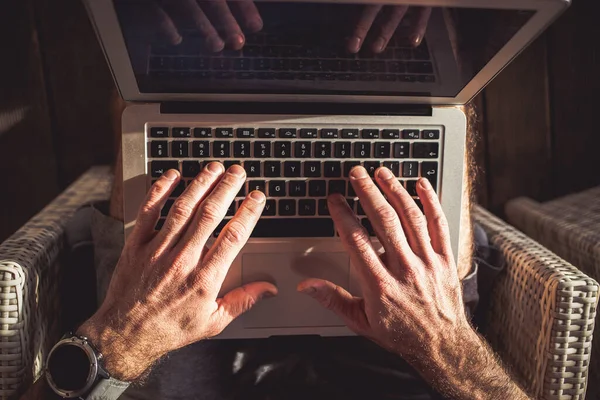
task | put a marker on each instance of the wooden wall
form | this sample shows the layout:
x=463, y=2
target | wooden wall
x=536, y=119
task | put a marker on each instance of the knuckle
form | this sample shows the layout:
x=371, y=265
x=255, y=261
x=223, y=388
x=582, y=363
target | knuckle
x=234, y=232
x=414, y=215
x=387, y=215
x=358, y=237
x=210, y=211
x=440, y=221
x=181, y=209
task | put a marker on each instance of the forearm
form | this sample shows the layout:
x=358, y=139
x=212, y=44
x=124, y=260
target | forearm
x=466, y=368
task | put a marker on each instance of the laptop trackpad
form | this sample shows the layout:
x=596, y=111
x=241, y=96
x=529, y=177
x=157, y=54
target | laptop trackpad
x=291, y=308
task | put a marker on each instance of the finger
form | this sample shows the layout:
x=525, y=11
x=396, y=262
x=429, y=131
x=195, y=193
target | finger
x=437, y=224
x=337, y=299
x=363, y=26
x=383, y=217
x=184, y=207
x=231, y=240
x=249, y=15
x=226, y=23
x=420, y=26
x=165, y=25
x=413, y=221
x=356, y=241
x=240, y=300
x=190, y=10
x=388, y=28
x=149, y=212
x=210, y=213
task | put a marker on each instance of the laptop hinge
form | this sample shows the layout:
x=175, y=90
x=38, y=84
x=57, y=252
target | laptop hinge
x=295, y=108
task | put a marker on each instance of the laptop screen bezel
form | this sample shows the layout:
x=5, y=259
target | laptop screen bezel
x=108, y=30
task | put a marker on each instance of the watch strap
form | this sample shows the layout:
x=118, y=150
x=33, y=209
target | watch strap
x=107, y=389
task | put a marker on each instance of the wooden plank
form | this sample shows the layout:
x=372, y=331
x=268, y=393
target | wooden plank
x=517, y=129
x=80, y=88
x=27, y=157
x=574, y=72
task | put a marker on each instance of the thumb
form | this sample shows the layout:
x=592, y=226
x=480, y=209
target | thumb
x=240, y=300
x=337, y=299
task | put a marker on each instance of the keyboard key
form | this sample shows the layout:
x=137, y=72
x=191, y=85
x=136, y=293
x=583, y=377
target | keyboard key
x=200, y=149
x=307, y=207
x=287, y=207
x=241, y=148
x=411, y=187
x=229, y=163
x=410, y=134
x=287, y=133
x=181, y=132
x=329, y=133
x=159, y=224
x=167, y=207
x=410, y=169
x=282, y=150
x=317, y=188
x=430, y=134
x=244, y=132
x=350, y=134
x=277, y=189
x=291, y=169
x=308, y=133
x=337, y=186
x=178, y=189
x=231, y=210
x=272, y=169
x=257, y=185
x=359, y=209
x=426, y=150
x=159, y=148
x=368, y=227
x=390, y=134
x=241, y=64
x=294, y=227
x=348, y=165
x=202, y=132
x=242, y=192
x=297, y=188
x=419, y=67
x=159, y=132
x=332, y=169
x=362, y=150
x=157, y=168
x=252, y=168
x=312, y=169
x=221, y=149
x=224, y=132
x=351, y=192
x=266, y=133
x=323, y=149
x=189, y=169
x=401, y=150
x=350, y=203
x=342, y=149
x=370, y=133
x=371, y=167
x=302, y=149
x=382, y=149
x=262, y=149
x=323, y=207
x=393, y=166
x=270, y=208
x=429, y=170
x=180, y=149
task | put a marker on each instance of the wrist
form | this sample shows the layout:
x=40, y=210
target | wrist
x=121, y=358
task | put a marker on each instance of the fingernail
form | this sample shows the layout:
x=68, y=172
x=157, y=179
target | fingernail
x=378, y=45
x=236, y=41
x=258, y=196
x=358, y=172
x=267, y=295
x=215, y=167
x=415, y=40
x=171, y=174
x=384, y=173
x=215, y=43
x=337, y=198
x=309, y=290
x=354, y=44
x=255, y=25
x=425, y=184
x=236, y=170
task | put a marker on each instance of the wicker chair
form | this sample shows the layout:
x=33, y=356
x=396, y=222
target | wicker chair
x=570, y=227
x=540, y=322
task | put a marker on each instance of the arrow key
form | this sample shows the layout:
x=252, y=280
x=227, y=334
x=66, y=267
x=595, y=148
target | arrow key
x=429, y=170
x=426, y=150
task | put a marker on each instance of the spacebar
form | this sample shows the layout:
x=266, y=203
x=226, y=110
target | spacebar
x=294, y=227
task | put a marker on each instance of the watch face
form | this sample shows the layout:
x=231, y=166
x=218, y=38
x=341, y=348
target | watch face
x=69, y=367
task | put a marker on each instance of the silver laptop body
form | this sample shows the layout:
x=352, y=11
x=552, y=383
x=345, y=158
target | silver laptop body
x=298, y=112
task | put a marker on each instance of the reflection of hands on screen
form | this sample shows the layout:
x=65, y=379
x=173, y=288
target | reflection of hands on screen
x=214, y=21
x=383, y=26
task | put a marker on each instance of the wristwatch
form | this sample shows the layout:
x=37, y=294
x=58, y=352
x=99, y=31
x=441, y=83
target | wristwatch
x=74, y=370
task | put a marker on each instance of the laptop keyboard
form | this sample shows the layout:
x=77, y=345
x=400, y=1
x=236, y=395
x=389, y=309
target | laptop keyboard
x=272, y=57
x=295, y=167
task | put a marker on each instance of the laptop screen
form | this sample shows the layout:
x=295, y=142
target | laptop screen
x=259, y=47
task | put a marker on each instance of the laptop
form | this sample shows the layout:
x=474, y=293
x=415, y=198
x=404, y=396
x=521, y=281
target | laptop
x=297, y=107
